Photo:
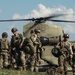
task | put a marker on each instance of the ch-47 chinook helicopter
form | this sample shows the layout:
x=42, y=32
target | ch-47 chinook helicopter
x=49, y=36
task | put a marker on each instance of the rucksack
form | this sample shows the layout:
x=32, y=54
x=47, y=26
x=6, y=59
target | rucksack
x=3, y=44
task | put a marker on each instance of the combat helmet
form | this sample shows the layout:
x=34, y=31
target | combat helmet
x=4, y=34
x=66, y=35
x=37, y=30
x=14, y=30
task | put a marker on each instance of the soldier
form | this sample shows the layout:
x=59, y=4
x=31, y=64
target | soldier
x=16, y=45
x=73, y=60
x=4, y=50
x=31, y=46
x=73, y=66
x=66, y=52
x=36, y=45
x=27, y=49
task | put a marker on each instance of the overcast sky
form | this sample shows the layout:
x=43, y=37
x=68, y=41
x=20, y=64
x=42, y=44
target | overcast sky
x=20, y=9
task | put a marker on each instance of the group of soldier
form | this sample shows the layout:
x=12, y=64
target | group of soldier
x=16, y=52
x=19, y=50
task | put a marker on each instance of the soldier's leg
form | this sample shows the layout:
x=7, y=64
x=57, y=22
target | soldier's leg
x=32, y=63
x=1, y=61
x=17, y=59
x=23, y=61
x=61, y=64
x=38, y=57
x=5, y=60
x=36, y=63
x=13, y=63
x=20, y=60
x=73, y=66
x=65, y=66
x=74, y=69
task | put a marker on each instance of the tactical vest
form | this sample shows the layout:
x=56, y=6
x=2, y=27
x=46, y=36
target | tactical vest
x=3, y=44
x=16, y=41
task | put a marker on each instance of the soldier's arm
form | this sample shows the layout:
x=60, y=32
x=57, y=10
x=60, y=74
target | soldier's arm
x=33, y=39
x=21, y=42
x=8, y=44
x=71, y=52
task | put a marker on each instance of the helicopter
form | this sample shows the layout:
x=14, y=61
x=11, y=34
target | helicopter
x=49, y=36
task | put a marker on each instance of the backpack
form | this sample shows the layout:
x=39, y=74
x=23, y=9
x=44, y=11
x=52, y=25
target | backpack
x=3, y=44
x=56, y=52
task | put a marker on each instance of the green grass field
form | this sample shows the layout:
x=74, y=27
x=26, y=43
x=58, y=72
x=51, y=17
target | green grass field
x=18, y=72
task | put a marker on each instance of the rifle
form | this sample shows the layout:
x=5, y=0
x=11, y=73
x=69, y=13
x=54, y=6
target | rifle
x=60, y=44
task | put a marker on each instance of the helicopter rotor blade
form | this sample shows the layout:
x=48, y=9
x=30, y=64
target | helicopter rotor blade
x=15, y=20
x=33, y=19
x=62, y=21
x=41, y=19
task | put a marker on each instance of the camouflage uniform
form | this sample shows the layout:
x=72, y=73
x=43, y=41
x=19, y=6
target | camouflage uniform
x=66, y=52
x=17, y=51
x=4, y=50
x=73, y=66
x=34, y=45
x=28, y=50
x=73, y=60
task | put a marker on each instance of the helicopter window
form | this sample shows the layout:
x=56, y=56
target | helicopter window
x=44, y=40
x=49, y=41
